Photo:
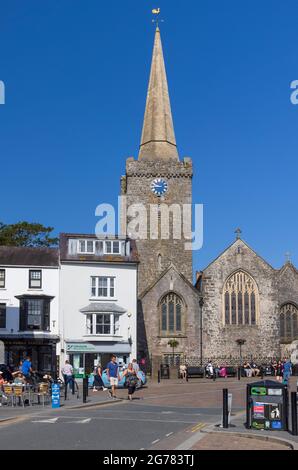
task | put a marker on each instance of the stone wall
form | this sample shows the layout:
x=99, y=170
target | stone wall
x=261, y=339
x=149, y=317
x=157, y=254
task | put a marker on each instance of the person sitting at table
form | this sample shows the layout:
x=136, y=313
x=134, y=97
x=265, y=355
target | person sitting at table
x=19, y=379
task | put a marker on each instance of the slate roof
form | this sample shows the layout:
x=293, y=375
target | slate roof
x=98, y=307
x=24, y=256
x=65, y=256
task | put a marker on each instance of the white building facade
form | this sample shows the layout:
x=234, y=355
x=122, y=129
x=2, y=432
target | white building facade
x=29, y=306
x=98, y=300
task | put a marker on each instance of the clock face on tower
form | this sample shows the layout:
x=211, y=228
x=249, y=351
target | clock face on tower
x=159, y=186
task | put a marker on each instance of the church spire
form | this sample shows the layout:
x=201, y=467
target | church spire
x=158, y=137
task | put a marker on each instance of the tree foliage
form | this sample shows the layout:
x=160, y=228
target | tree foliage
x=27, y=234
x=173, y=343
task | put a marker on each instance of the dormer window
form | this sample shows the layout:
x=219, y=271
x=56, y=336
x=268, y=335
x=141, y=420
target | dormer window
x=86, y=246
x=100, y=247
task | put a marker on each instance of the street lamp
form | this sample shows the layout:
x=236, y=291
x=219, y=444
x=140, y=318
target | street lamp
x=201, y=303
x=240, y=343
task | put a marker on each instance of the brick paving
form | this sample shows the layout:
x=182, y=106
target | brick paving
x=218, y=441
x=201, y=393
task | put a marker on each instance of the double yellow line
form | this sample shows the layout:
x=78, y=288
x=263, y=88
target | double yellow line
x=198, y=427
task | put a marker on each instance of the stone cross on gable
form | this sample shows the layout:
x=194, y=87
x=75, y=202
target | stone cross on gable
x=238, y=233
x=288, y=257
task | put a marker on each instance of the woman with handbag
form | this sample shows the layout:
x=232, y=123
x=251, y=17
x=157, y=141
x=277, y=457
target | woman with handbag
x=98, y=382
x=131, y=380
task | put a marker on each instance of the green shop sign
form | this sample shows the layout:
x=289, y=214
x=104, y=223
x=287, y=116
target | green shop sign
x=80, y=347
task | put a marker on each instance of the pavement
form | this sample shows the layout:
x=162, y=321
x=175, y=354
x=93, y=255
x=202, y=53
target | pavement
x=170, y=415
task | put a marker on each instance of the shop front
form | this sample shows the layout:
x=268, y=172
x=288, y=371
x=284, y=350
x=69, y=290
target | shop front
x=84, y=357
x=42, y=352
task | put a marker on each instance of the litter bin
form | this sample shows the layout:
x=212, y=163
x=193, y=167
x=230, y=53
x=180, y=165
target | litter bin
x=164, y=371
x=267, y=406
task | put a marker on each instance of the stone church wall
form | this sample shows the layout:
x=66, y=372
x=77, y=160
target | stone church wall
x=149, y=313
x=261, y=339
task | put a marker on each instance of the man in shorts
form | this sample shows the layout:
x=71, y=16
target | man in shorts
x=113, y=375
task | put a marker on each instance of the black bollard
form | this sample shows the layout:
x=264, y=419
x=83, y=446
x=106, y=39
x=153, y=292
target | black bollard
x=239, y=373
x=85, y=387
x=65, y=390
x=214, y=375
x=294, y=413
x=225, y=409
x=158, y=376
x=73, y=385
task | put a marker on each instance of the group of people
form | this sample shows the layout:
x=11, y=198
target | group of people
x=282, y=370
x=113, y=375
x=251, y=369
x=22, y=374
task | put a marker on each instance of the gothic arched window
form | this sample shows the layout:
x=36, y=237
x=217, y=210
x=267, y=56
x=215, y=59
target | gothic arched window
x=171, y=311
x=240, y=300
x=288, y=323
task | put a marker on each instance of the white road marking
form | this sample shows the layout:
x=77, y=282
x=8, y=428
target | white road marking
x=112, y=418
x=52, y=420
x=170, y=433
x=167, y=412
x=148, y=420
x=83, y=421
x=154, y=442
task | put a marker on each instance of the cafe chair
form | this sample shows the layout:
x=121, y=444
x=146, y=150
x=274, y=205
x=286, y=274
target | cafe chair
x=43, y=393
x=19, y=394
x=9, y=394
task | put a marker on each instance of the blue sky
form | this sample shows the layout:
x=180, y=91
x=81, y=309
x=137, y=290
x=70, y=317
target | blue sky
x=76, y=74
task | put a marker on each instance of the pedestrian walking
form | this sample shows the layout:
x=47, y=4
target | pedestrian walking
x=98, y=382
x=182, y=371
x=131, y=380
x=279, y=371
x=67, y=371
x=113, y=375
x=287, y=371
x=135, y=365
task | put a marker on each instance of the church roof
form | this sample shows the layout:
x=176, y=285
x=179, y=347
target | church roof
x=235, y=242
x=158, y=137
x=288, y=265
x=171, y=266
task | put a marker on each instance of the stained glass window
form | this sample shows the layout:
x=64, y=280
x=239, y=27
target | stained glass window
x=240, y=298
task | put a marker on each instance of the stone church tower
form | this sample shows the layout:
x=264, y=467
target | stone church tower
x=162, y=184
